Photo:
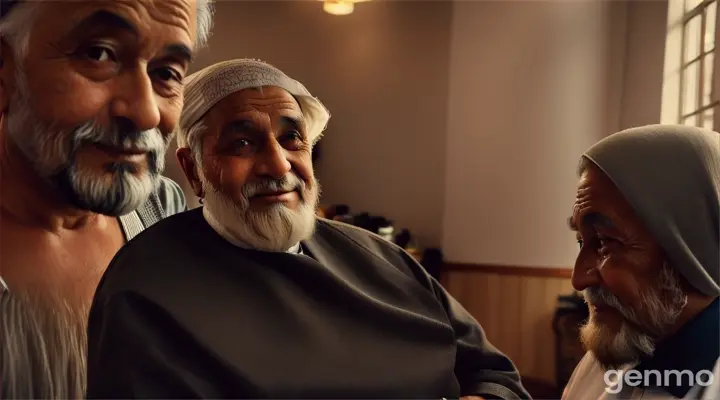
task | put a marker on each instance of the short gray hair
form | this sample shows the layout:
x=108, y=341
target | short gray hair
x=17, y=25
x=194, y=140
x=205, y=14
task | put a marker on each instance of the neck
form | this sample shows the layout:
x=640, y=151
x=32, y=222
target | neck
x=29, y=200
x=695, y=305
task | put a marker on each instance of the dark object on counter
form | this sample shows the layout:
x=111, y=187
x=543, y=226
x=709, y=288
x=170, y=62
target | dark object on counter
x=432, y=261
x=363, y=220
x=342, y=209
x=384, y=227
x=380, y=222
x=571, y=312
x=403, y=238
x=342, y=214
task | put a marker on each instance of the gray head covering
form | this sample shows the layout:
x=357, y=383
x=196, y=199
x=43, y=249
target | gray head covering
x=670, y=175
x=208, y=86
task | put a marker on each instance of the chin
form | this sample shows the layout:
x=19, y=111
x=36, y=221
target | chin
x=114, y=191
x=275, y=229
x=278, y=228
x=615, y=344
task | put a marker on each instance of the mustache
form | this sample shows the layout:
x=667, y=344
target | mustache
x=290, y=182
x=599, y=296
x=121, y=136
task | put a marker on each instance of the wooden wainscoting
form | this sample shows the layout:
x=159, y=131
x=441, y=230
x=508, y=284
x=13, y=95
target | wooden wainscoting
x=515, y=306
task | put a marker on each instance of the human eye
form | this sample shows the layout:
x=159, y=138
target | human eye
x=606, y=245
x=294, y=135
x=240, y=144
x=167, y=80
x=97, y=53
x=167, y=74
x=240, y=147
x=293, y=140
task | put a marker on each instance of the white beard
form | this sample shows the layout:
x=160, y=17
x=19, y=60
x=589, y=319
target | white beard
x=52, y=153
x=276, y=229
x=636, y=338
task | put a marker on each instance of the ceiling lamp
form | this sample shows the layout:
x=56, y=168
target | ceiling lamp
x=340, y=7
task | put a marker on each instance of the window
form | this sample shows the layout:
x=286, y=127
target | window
x=689, y=94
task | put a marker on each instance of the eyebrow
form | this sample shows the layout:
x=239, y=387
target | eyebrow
x=592, y=219
x=296, y=123
x=247, y=126
x=599, y=220
x=109, y=20
x=239, y=125
x=178, y=52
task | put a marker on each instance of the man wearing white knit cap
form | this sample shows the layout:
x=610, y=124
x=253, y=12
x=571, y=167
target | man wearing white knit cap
x=252, y=296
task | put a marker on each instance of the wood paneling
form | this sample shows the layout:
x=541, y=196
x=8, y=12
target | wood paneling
x=515, y=306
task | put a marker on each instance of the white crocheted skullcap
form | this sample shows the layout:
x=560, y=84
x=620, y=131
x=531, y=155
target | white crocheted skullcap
x=205, y=88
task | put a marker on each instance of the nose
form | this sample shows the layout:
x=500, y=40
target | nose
x=585, y=274
x=135, y=101
x=272, y=162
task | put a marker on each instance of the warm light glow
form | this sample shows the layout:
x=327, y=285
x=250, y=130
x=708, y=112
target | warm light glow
x=338, y=7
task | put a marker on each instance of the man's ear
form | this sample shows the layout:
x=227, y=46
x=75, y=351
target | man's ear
x=7, y=70
x=187, y=163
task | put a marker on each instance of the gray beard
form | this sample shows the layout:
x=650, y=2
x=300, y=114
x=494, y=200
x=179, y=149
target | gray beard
x=276, y=229
x=636, y=337
x=116, y=190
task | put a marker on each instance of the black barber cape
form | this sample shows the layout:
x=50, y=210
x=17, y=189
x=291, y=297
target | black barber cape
x=182, y=313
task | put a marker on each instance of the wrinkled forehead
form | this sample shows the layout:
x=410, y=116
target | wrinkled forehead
x=599, y=200
x=253, y=102
x=136, y=16
x=144, y=4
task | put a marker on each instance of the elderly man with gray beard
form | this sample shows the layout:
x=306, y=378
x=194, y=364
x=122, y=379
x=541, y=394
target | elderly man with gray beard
x=252, y=296
x=90, y=95
x=646, y=215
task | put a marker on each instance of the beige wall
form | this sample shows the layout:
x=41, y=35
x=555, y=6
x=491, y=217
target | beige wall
x=644, y=57
x=460, y=120
x=523, y=106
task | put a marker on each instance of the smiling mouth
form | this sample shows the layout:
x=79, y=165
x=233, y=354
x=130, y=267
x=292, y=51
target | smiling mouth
x=276, y=197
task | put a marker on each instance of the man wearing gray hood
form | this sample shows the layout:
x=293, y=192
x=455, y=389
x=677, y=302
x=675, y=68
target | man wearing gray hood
x=646, y=217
